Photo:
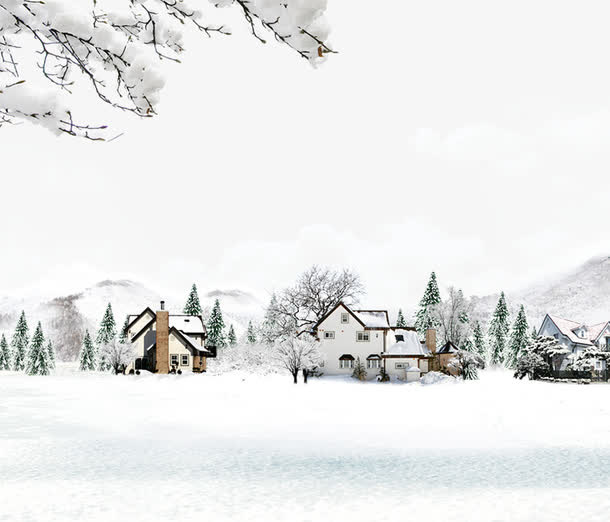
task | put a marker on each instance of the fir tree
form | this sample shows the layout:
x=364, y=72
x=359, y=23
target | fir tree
x=400, y=320
x=251, y=334
x=5, y=354
x=478, y=340
x=270, y=329
x=124, y=331
x=87, y=354
x=359, y=370
x=498, y=330
x=19, y=343
x=232, y=338
x=519, y=340
x=424, y=318
x=216, y=326
x=38, y=357
x=193, y=306
x=534, y=334
x=51, y=354
x=105, y=335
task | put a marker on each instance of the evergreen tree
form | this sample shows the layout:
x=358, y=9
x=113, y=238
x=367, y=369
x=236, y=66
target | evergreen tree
x=38, y=357
x=400, y=320
x=424, y=317
x=216, y=326
x=251, y=334
x=51, y=354
x=498, y=330
x=5, y=354
x=534, y=334
x=87, y=354
x=478, y=340
x=359, y=370
x=519, y=340
x=19, y=343
x=105, y=335
x=270, y=329
x=232, y=338
x=124, y=331
x=193, y=306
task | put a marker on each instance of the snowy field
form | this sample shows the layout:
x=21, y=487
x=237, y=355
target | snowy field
x=238, y=447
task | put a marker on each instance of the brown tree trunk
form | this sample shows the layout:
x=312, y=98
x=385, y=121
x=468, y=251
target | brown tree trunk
x=295, y=374
x=305, y=375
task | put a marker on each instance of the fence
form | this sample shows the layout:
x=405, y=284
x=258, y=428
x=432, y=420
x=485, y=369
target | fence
x=595, y=375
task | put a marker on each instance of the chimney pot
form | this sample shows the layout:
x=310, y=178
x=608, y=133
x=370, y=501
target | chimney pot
x=162, y=305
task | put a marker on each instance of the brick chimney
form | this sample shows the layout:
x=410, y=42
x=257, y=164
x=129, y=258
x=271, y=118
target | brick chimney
x=162, y=339
x=430, y=340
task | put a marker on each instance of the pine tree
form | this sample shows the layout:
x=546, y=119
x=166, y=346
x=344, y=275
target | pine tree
x=519, y=340
x=5, y=354
x=216, y=327
x=124, y=331
x=232, y=338
x=270, y=329
x=251, y=334
x=534, y=334
x=193, y=306
x=38, y=357
x=424, y=318
x=498, y=330
x=87, y=354
x=478, y=340
x=400, y=320
x=105, y=335
x=359, y=370
x=51, y=354
x=19, y=343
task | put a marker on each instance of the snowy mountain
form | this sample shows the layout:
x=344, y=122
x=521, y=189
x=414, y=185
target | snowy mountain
x=582, y=294
x=65, y=318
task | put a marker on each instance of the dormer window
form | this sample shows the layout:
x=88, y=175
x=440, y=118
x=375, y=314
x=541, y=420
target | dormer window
x=344, y=318
x=400, y=338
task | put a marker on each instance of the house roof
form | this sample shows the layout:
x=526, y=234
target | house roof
x=410, y=346
x=190, y=341
x=374, y=318
x=448, y=347
x=596, y=330
x=374, y=356
x=346, y=357
x=135, y=318
x=567, y=327
x=187, y=324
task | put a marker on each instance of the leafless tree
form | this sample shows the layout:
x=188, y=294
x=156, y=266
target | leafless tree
x=117, y=354
x=316, y=291
x=296, y=354
x=453, y=318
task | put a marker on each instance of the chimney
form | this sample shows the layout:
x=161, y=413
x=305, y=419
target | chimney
x=430, y=340
x=162, y=340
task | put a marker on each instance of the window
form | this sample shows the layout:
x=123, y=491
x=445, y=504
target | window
x=344, y=318
x=329, y=335
x=608, y=343
x=598, y=365
x=400, y=338
x=401, y=366
x=362, y=337
x=345, y=364
x=174, y=360
x=184, y=360
x=373, y=363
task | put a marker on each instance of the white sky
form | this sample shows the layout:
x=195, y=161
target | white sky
x=467, y=137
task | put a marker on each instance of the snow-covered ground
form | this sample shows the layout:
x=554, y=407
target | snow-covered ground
x=241, y=447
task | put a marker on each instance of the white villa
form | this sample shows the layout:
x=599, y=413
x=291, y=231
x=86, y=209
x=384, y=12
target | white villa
x=167, y=342
x=346, y=335
x=576, y=336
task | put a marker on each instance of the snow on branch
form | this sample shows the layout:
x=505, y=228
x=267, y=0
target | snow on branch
x=112, y=50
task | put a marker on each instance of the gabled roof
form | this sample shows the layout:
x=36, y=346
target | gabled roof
x=332, y=310
x=596, y=330
x=136, y=318
x=567, y=327
x=410, y=346
x=187, y=324
x=190, y=341
x=448, y=347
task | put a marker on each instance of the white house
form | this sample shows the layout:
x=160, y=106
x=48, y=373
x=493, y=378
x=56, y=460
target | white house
x=576, y=336
x=347, y=334
x=167, y=342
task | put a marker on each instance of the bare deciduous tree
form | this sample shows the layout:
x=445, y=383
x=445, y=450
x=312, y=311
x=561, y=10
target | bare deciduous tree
x=296, y=354
x=452, y=316
x=112, y=49
x=117, y=354
x=315, y=293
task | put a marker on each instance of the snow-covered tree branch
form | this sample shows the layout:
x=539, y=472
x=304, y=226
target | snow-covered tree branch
x=111, y=50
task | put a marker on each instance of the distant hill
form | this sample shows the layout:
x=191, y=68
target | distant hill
x=65, y=318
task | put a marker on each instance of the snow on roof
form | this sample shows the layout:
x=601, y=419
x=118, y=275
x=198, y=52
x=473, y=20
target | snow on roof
x=413, y=369
x=194, y=343
x=410, y=346
x=596, y=330
x=191, y=324
x=373, y=318
x=567, y=327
